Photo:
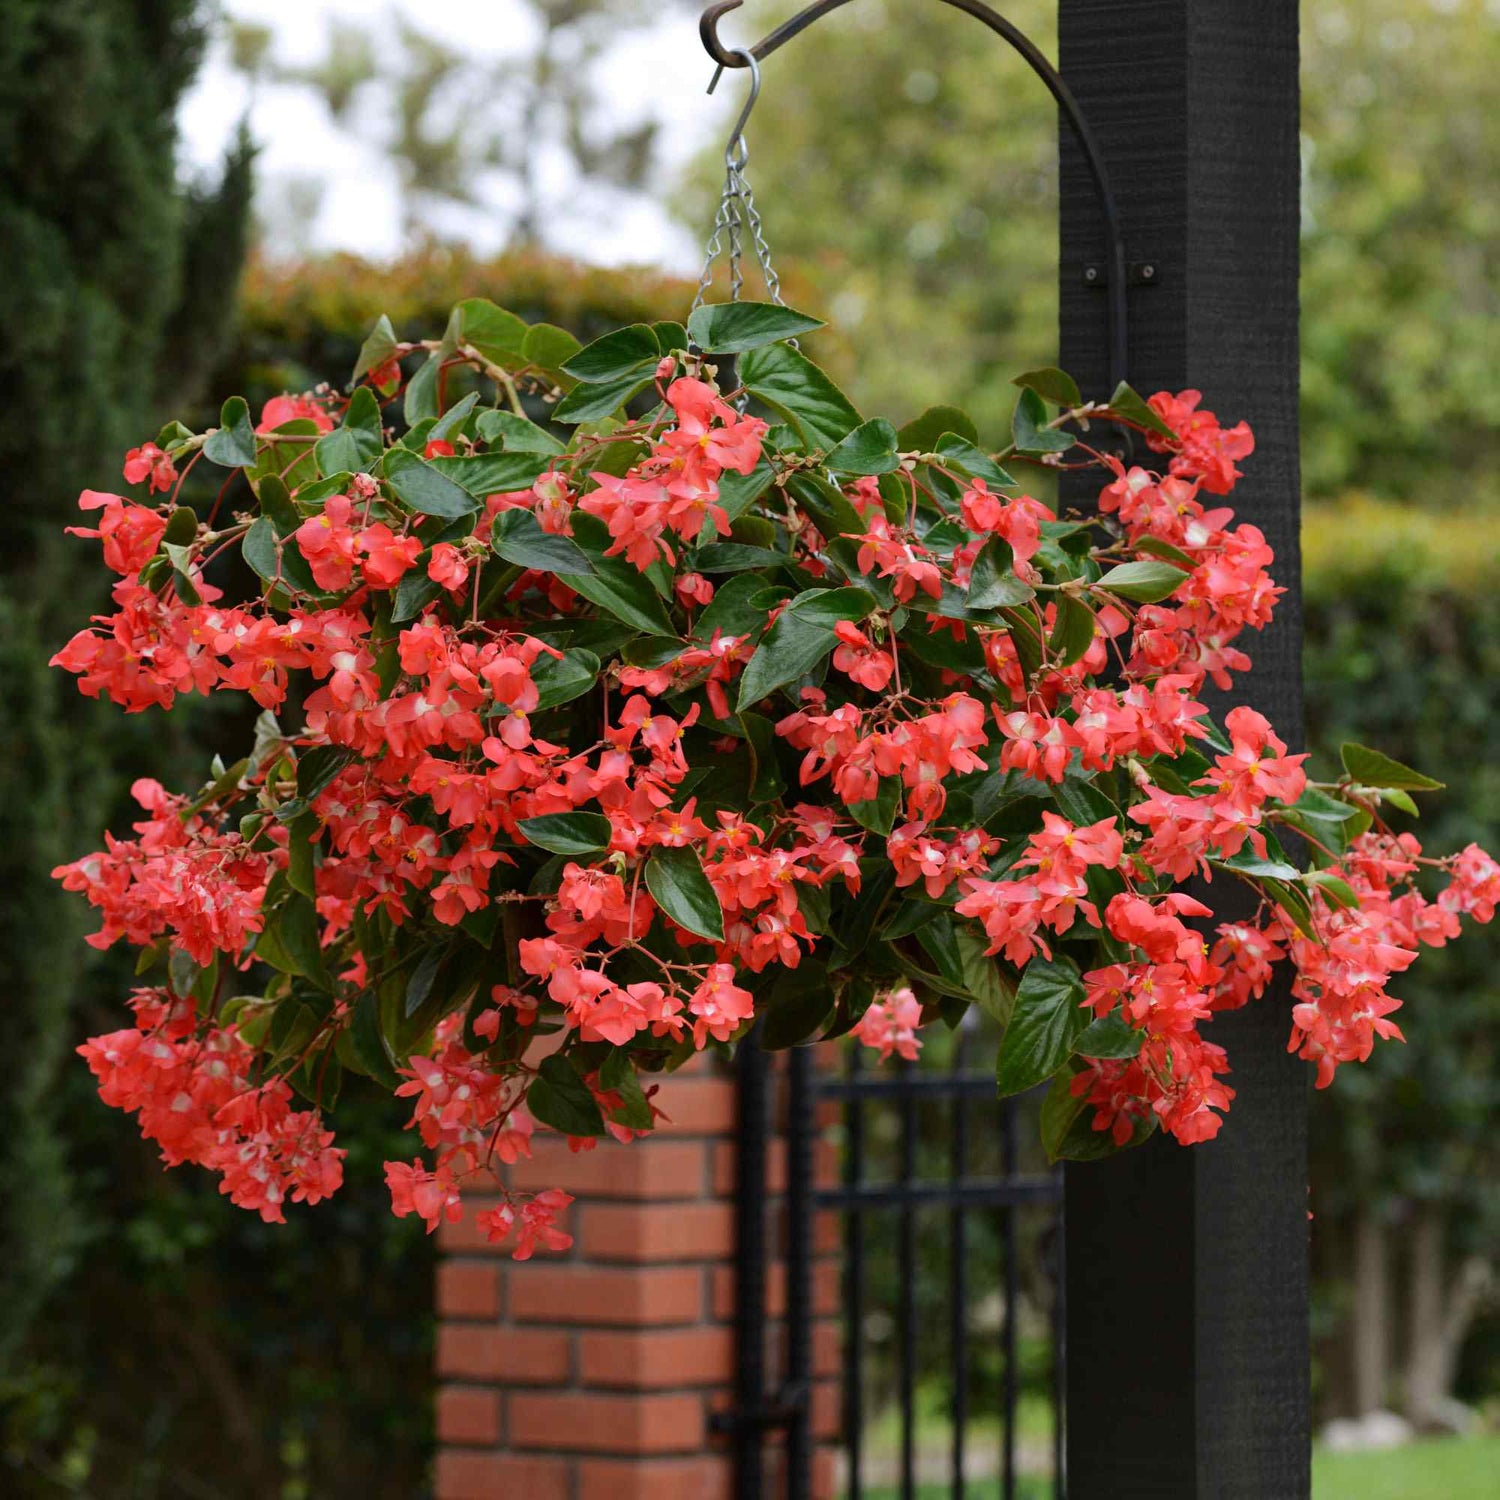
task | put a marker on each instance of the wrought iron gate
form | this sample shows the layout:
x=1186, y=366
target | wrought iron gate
x=936, y=1209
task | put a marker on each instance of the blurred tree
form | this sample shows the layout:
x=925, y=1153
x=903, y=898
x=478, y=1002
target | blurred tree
x=115, y=283
x=471, y=133
x=1401, y=307
x=906, y=162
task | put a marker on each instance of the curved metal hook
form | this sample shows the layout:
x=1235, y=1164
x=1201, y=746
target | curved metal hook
x=740, y=57
x=736, y=149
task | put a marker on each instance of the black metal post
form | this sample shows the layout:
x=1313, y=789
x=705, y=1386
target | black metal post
x=797, y=1390
x=750, y=1270
x=906, y=1282
x=854, y=1282
x=1187, y=1368
x=958, y=1269
x=1010, y=1329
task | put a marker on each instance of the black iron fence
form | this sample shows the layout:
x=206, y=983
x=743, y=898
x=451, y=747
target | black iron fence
x=951, y=1308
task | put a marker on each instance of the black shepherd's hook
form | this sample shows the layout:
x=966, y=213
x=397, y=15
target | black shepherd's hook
x=1115, y=276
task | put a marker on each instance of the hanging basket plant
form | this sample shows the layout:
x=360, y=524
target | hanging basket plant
x=617, y=699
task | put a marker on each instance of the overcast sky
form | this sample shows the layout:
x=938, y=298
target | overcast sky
x=658, y=72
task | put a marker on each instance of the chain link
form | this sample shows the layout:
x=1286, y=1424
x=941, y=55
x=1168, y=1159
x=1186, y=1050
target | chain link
x=736, y=215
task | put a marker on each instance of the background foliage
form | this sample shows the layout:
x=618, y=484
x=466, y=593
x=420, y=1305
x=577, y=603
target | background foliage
x=110, y=278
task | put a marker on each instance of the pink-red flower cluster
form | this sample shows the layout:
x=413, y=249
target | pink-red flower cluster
x=569, y=752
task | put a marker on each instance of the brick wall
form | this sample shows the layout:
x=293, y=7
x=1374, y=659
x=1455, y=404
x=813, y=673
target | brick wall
x=593, y=1375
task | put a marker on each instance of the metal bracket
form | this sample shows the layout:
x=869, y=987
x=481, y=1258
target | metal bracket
x=778, y=1412
x=1137, y=273
x=1118, y=334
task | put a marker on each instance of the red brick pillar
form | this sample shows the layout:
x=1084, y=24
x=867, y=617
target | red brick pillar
x=593, y=1375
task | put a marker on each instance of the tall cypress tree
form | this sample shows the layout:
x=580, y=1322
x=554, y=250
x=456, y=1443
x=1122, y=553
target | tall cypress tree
x=114, y=282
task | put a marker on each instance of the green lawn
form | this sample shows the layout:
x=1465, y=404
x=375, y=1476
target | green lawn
x=1437, y=1469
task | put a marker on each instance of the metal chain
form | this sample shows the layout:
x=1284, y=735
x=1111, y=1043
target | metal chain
x=737, y=212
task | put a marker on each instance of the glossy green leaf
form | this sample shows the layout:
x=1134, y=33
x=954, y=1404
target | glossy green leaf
x=869, y=449
x=678, y=885
x=592, y=403
x=1082, y=801
x=617, y=1075
x=1133, y=408
x=368, y=1045
x=618, y=586
x=1333, y=889
x=622, y=352
x=1080, y=1141
x=768, y=783
x=992, y=991
x=233, y=445
x=1053, y=385
x=992, y=580
x=1073, y=632
x=1109, y=1036
x=734, y=557
x=1371, y=768
x=738, y=492
x=560, y=1098
x=921, y=434
x=879, y=813
x=413, y=594
x=260, y=549
x=293, y=932
x=567, y=833
x=356, y=443
x=519, y=539
x=420, y=981
x=800, y=638
x=734, y=327
x=739, y=607
x=1059, y=1110
x=1247, y=862
x=424, y=488
x=515, y=434
x=483, y=474
x=1330, y=821
x=182, y=526
x=959, y=453
x=452, y=420
x=549, y=347
x=1143, y=582
x=560, y=680
x=831, y=512
x=795, y=1005
x=1292, y=899
x=1046, y=1021
x=302, y=835
x=379, y=345
x=1029, y=431
x=420, y=402
x=1158, y=548
x=491, y=331
x=316, y=769
x=910, y=915
x=793, y=386
x=1026, y=636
